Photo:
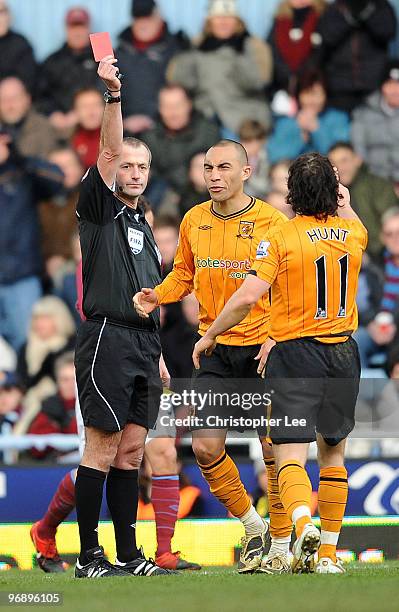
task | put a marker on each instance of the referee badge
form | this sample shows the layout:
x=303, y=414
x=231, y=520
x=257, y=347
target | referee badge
x=245, y=229
x=135, y=239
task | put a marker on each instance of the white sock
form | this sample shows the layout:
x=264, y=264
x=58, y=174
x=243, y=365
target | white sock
x=253, y=523
x=280, y=546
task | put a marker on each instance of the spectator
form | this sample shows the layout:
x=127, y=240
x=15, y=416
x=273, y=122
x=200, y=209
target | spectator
x=66, y=71
x=30, y=131
x=196, y=191
x=253, y=138
x=51, y=334
x=8, y=358
x=64, y=283
x=293, y=39
x=368, y=300
x=26, y=181
x=58, y=216
x=11, y=395
x=371, y=195
x=57, y=413
x=278, y=176
x=145, y=48
x=174, y=139
x=381, y=330
x=166, y=234
x=390, y=239
x=88, y=106
x=228, y=70
x=375, y=131
x=16, y=55
x=278, y=200
x=148, y=212
x=314, y=128
x=355, y=39
x=386, y=415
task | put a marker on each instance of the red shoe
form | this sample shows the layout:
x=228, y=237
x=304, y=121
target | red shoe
x=47, y=555
x=173, y=561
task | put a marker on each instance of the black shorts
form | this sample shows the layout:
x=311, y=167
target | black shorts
x=117, y=373
x=235, y=393
x=314, y=388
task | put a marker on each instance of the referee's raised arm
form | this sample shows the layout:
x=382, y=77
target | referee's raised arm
x=112, y=126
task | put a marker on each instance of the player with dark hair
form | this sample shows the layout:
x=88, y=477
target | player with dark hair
x=312, y=265
x=217, y=242
x=313, y=189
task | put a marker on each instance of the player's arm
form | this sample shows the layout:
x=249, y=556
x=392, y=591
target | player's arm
x=178, y=283
x=235, y=310
x=112, y=127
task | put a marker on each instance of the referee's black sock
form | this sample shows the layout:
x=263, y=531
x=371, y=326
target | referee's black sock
x=89, y=494
x=122, y=500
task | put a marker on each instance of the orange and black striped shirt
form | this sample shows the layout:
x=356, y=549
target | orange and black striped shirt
x=213, y=257
x=313, y=267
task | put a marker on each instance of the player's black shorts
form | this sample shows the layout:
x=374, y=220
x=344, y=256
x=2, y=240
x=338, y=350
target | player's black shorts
x=233, y=392
x=117, y=373
x=314, y=388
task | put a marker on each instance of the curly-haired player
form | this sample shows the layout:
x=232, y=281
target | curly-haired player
x=312, y=265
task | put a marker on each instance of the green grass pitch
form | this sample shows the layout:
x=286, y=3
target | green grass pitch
x=363, y=588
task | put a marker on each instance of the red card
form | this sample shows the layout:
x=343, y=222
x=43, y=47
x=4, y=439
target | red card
x=101, y=45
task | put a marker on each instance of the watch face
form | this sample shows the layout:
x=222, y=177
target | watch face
x=109, y=98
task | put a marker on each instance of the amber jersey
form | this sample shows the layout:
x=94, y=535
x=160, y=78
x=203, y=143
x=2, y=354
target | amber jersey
x=213, y=257
x=313, y=267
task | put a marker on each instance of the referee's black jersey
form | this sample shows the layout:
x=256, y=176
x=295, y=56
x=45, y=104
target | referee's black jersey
x=119, y=255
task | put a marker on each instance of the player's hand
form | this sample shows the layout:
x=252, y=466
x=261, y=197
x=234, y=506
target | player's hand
x=109, y=73
x=144, y=302
x=164, y=373
x=204, y=345
x=344, y=196
x=263, y=355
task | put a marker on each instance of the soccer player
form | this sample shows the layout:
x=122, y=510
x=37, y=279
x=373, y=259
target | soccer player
x=312, y=264
x=217, y=242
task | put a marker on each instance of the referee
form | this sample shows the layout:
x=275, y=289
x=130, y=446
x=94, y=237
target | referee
x=117, y=353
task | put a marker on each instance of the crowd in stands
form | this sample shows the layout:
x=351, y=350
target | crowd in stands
x=323, y=80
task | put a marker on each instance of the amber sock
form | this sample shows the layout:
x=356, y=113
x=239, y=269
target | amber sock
x=295, y=493
x=333, y=494
x=225, y=483
x=280, y=524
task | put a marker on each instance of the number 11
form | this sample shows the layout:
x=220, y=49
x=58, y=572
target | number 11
x=321, y=285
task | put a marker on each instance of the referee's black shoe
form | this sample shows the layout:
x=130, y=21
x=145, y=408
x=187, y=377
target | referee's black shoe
x=98, y=566
x=143, y=567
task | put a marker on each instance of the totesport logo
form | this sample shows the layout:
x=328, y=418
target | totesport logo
x=238, y=269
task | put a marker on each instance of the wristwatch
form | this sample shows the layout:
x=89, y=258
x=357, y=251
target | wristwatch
x=109, y=99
